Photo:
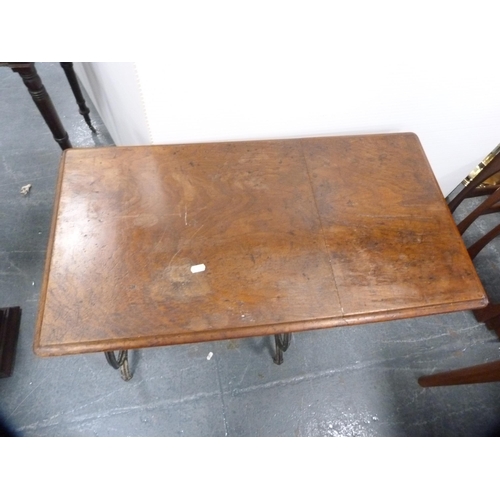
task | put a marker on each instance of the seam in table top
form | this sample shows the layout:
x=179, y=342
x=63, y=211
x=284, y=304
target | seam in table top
x=322, y=229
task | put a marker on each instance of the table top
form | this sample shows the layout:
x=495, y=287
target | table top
x=163, y=245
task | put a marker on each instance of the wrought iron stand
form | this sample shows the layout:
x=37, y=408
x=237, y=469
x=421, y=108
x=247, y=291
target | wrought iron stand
x=119, y=363
x=282, y=343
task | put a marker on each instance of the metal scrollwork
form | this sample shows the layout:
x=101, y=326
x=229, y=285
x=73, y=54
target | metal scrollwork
x=282, y=343
x=120, y=363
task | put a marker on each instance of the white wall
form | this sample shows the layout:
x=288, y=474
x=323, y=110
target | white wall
x=256, y=70
x=115, y=91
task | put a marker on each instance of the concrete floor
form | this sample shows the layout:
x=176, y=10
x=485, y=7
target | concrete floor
x=352, y=381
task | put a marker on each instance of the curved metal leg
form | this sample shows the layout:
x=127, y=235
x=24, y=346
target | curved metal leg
x=282, y=343
x=120, y=363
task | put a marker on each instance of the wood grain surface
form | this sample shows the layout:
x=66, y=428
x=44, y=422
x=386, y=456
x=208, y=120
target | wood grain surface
x=293, y=235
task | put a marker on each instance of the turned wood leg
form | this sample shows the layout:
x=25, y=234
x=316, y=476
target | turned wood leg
x=478, y=374
x=44, y=103
x=77, y=92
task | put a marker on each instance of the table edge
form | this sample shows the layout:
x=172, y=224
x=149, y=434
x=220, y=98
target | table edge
x=50, y=247
x=252, y=331
x=159, y=340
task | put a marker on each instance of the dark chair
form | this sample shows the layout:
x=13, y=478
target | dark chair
x=484, y=180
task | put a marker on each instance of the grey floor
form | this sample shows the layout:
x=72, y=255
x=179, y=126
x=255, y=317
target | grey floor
x=353, y=381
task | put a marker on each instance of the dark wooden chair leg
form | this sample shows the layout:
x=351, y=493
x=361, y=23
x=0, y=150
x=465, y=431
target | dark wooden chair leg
x=482, y=209
x=478, y=374
x=10, y=320
x=476, y=184
x=77, y=92
x=44, y=103
x=476, y=247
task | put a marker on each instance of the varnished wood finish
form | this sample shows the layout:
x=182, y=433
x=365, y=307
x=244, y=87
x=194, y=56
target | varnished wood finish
x=294, y=235
x=392, y=246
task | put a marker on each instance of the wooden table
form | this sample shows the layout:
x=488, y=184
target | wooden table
x=163, y=245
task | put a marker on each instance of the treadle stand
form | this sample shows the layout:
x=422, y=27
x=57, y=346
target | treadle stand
x=119, y=363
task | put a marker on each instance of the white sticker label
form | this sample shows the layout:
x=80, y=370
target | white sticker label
x=199, y=268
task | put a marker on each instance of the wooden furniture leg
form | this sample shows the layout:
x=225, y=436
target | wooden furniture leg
x=43, y=101
x=10, y=320
x=478, y=374
x=485, y=207
x=476, y=247
x=77, y=92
